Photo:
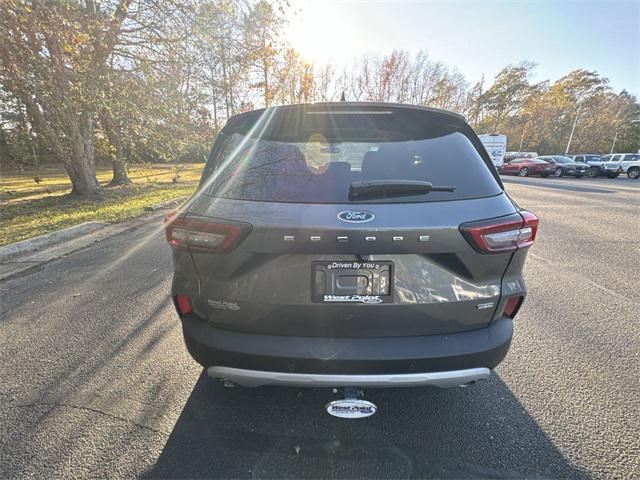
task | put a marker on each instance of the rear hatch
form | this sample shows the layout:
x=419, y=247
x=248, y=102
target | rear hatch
x=611, y=166
x=329, y=227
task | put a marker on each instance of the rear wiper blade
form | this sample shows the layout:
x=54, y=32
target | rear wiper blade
x=393, y=188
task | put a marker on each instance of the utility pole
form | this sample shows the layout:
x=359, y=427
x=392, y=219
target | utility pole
x=524, y=129
x=573, y=129
x=615, y=137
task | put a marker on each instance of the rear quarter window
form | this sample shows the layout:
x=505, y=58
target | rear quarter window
x=320, y=167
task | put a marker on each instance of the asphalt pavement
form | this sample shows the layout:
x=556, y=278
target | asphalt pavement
x=95, y=380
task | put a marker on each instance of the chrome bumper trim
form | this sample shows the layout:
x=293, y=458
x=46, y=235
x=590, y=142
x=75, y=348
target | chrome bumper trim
x=258, y=378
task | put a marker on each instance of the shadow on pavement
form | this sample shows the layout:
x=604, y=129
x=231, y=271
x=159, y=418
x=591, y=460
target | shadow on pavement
x=482, y=431
x=556, y=184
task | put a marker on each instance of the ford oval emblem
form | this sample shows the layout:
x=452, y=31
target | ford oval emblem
x=356, y=216
x=351, y=408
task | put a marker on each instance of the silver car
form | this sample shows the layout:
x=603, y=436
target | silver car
x=349, y=245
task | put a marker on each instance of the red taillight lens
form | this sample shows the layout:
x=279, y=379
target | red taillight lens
x=512, y=306
x=502, y=234
x=183, y=304
x=203, y=235
x=530, y=222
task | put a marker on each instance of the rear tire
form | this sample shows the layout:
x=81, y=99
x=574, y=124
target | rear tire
x=633, y=172
x=524, y=171
x=593, y=172
x=557, y=173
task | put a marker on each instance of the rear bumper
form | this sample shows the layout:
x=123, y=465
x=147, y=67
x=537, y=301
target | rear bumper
x=254, y=359
x=259, y=378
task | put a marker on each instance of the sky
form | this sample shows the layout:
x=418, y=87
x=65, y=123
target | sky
x=478, y=37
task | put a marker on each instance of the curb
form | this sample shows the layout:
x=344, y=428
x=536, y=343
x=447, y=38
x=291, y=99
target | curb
x=174, y=202
x=52, y=246
x=48, y=239
x=17, y=265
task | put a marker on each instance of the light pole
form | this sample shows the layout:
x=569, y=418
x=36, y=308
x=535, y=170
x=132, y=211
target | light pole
x=573, y=129
x=613, y=144
x=524, y=129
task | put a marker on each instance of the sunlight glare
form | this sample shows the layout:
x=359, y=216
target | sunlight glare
x=320, y=32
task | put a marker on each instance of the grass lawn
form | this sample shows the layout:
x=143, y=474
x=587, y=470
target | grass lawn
x=28, y=208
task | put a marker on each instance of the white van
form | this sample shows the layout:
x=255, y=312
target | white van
x=496, y=146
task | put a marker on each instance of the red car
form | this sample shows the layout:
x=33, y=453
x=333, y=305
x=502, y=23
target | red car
x=524, y=167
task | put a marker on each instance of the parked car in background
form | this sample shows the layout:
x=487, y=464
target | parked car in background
x=525, y=167
x=509, y=156
x=565, y=166
x=496, y=146
x=618, y=163
x=594, y=161
x=610, y=166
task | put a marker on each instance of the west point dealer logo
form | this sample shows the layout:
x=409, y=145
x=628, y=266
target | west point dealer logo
x=351, y=408
x=353, y=298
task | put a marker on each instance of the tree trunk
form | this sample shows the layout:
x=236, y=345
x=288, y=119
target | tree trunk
x=5, y=156
x=81, y=168
x=118, y=165
x=120, y=176
x=267, y=93
x=215, y=105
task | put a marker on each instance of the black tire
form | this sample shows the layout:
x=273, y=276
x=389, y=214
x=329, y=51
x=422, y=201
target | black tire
x=633, y=172
x=524, y=172
x=557, y=172
x=593, y=172
x=612, y=175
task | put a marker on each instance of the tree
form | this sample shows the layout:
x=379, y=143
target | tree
x=295, y=82
x=473, y=105
x=52, y=58
x=153, y=80
x=507, y=94
x=263, y=26
x=547, y=116
x=222, y=53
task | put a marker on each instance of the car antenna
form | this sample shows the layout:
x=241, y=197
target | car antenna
x=342, y=97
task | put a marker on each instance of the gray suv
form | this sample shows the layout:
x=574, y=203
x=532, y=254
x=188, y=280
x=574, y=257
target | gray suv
x=349, y=245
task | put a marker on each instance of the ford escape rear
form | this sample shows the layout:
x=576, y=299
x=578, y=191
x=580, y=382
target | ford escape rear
x=349, y=244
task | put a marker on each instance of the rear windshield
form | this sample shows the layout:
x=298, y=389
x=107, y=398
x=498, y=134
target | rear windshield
x=562, y=159
x=320, y=167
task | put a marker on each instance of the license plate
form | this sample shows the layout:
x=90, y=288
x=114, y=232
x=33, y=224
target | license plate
x=352, y=281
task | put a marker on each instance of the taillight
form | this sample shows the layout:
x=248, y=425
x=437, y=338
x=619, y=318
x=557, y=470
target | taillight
x=512, y=306
x=183, y=304
x=503, y=234
x=203, y=235
x=529, y=228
